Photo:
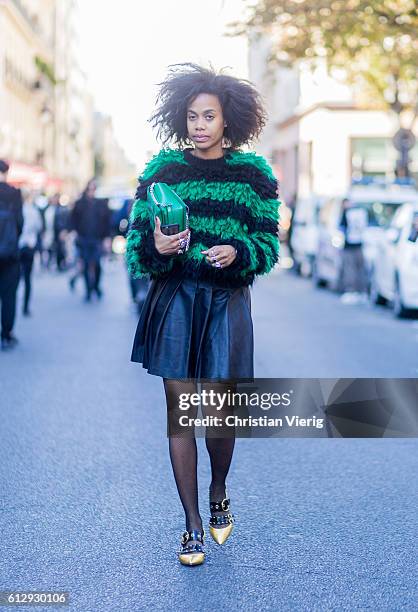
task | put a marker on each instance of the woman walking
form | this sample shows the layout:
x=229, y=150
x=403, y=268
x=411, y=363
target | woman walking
x=196, y=322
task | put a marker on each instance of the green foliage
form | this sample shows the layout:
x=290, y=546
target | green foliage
x=374, y=42
x=45, y=69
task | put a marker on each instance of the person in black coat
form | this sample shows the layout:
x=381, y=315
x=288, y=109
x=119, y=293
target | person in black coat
x=138, y=286
x=11, y=225
x=90, y=219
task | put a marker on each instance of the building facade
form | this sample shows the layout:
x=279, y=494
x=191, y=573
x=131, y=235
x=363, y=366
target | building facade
x=46, y=111
x=113, y=169
x=74, y=152
x=26, y=130
x=321, y=134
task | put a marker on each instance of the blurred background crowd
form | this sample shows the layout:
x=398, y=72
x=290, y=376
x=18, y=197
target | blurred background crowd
x=42, y=231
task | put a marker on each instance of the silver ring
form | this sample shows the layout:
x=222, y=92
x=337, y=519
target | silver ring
x=218, y=265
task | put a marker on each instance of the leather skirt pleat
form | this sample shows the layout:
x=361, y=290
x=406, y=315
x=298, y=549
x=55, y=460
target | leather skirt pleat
x=191, y=328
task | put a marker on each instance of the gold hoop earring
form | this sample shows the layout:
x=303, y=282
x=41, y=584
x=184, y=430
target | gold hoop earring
x=225, y=142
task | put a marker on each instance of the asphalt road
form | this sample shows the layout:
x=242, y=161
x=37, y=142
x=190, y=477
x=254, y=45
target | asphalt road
x=303, y=332
x=88, y=503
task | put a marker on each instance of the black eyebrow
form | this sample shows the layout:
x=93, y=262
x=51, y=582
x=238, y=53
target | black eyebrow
x=207, y=110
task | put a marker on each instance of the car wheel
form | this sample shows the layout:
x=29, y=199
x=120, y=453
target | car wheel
x=399, y=309
x=376, y=297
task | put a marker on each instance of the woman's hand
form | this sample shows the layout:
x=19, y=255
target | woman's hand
x=220, y=255
x=169, y=245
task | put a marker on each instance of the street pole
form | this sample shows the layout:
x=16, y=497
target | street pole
x=403, y=141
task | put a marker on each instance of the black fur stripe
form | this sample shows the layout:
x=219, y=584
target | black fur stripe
x=262, y=225
x=220, y=276
x=220, y=210
x=173, y=173
x=243, y=256
x=148, y=255
x=210, y=240
x=261, y=258
x=142, y=225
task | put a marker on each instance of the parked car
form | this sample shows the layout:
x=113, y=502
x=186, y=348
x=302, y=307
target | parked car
x=395, y=271
x=381, y=202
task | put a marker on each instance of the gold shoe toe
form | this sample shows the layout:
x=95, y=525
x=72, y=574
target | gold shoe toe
x=195, y=555
x=192, y=558
x=221, y=526
x=221, y=534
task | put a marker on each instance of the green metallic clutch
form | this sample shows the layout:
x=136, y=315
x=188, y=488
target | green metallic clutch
x=164, y=203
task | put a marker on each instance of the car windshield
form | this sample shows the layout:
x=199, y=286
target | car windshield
x=380, y=213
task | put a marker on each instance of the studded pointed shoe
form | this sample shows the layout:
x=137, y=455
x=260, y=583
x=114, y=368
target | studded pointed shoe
x=192, y=554
x=221, y=525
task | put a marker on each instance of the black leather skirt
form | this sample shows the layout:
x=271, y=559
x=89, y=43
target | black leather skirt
x=191, y=328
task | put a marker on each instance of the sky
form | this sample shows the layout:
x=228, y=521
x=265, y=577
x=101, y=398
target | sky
x=126, y=46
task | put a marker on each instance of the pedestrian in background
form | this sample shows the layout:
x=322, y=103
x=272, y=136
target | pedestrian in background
x=138, y=286
x=61, y=227
x=32, y=226
x=354, y=220
x=11, y=224
x=48, y=237
x=196, y=321
x=45, y=238
x=90, y=218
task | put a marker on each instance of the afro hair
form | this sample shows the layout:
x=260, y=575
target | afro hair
x=241, y=104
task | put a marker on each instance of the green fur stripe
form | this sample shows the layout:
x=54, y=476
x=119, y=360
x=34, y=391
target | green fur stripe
x=270, y=209
x=270, y=245
x=244, y=157
x=242, y=193
x=164, y=157
x=135, y=266
x=230, y=228
x=225, y=229
x=139, y=211
x=194, y=252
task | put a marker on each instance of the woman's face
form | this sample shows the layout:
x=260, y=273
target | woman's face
x=205, y=122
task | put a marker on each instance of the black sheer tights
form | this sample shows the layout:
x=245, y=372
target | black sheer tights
x=183, y=449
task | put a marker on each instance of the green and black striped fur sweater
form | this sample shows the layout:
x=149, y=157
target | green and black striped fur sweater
x=232, y=200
